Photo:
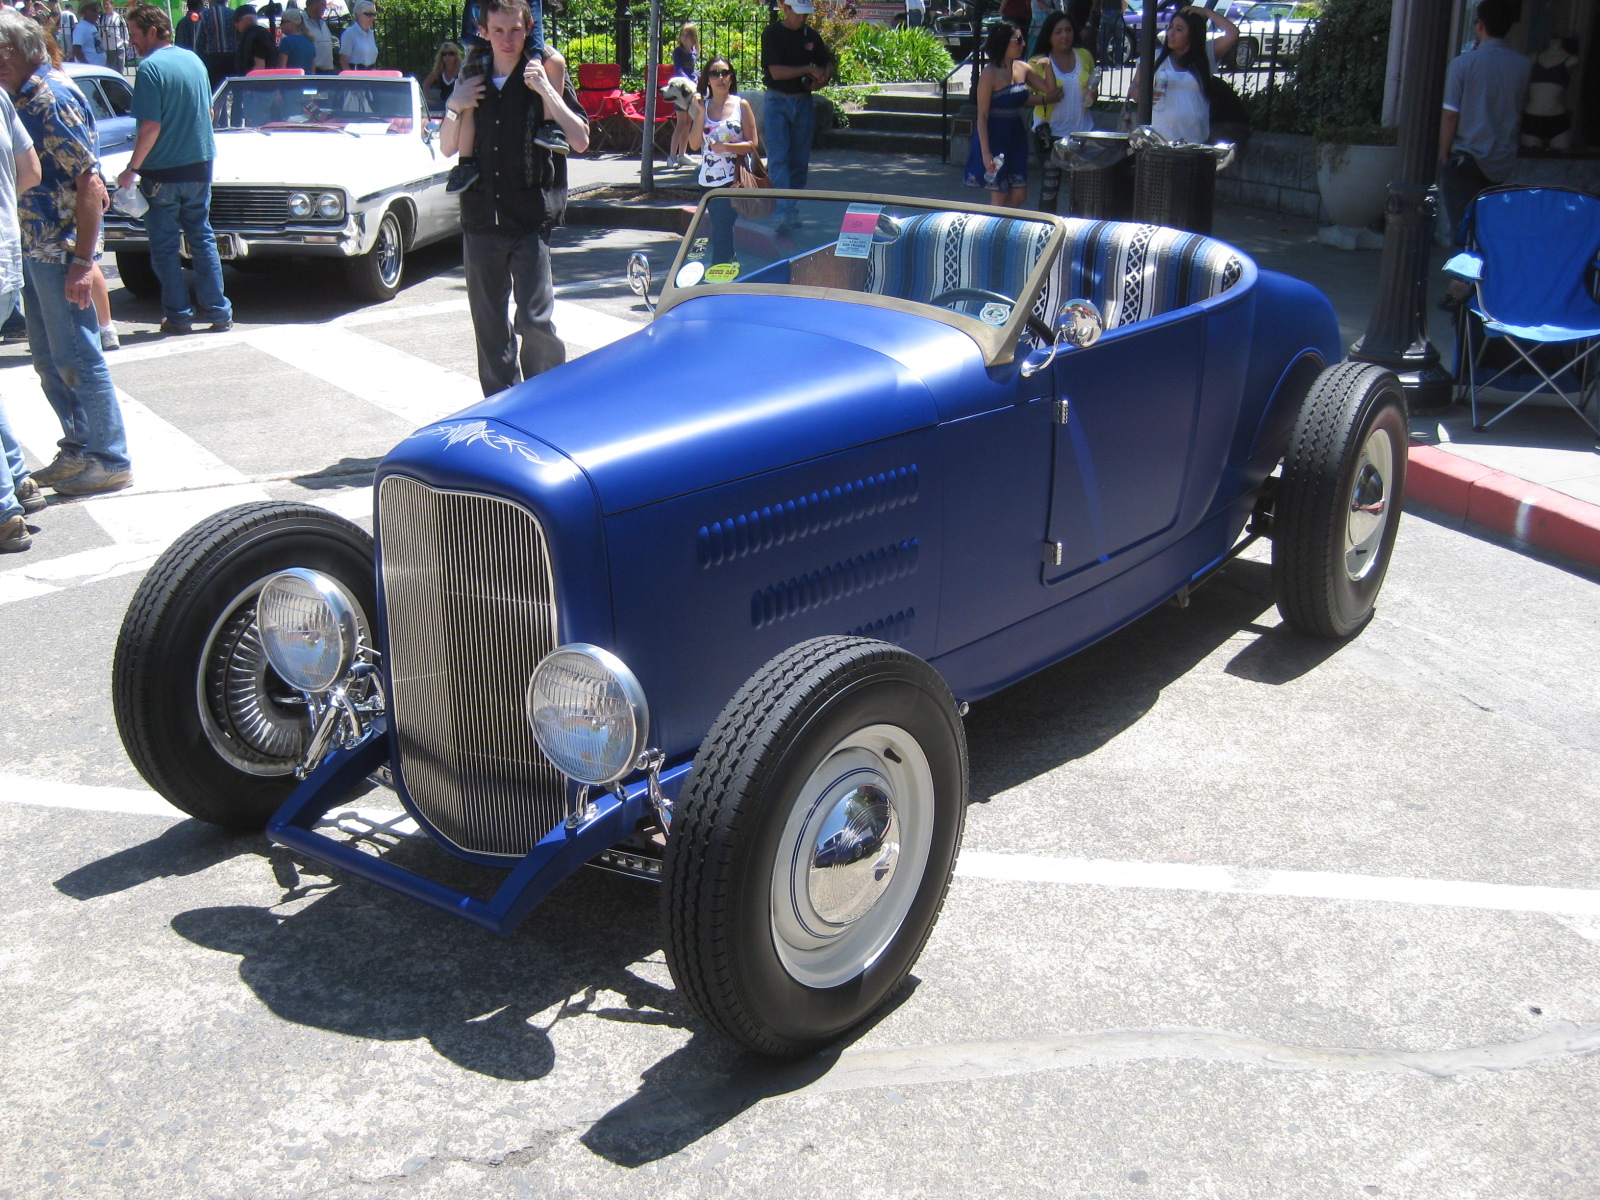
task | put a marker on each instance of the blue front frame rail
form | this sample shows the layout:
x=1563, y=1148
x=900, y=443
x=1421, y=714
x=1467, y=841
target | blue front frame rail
x=559, y=853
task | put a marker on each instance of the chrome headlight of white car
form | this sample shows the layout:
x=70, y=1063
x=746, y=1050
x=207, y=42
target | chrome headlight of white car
x=588, y=713
x=309, y=628
x=330, y=205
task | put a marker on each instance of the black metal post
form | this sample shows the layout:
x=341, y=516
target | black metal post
x=1397, y=331
x=1147, y=63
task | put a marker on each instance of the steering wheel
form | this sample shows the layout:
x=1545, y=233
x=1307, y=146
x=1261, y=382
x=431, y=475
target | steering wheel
x=1034, y=325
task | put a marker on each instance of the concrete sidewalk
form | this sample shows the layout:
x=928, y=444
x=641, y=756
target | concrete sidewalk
x=1533, y=478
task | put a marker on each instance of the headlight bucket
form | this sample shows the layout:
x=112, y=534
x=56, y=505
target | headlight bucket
x=309, y=628
x=588, y=713
x=330, y=205
x=301, y=205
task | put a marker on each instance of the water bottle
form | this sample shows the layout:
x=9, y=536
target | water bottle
x=992, y=179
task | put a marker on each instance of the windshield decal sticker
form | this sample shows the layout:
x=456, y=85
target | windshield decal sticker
x=697, y=248
x=456, y=433
x=856, y=230
x=994, y=314
x=690, y=274
x=722, y=273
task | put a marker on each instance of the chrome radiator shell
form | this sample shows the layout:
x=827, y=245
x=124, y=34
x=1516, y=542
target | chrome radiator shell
x=469, y=604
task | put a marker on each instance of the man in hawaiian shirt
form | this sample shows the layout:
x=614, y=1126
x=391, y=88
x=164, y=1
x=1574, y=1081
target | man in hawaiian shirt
x=60, y=242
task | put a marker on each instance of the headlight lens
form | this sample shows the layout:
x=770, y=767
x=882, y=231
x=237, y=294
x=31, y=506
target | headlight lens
x=309, y=628
x=300, y=205
x=330, y=205
x=588, y=713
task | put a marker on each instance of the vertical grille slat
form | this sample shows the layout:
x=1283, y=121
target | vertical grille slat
x=470, y=603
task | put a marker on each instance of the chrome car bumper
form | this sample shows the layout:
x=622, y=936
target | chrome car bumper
x=349, y=240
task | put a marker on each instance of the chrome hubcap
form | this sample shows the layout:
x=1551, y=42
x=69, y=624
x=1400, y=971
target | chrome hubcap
x=852, y=857
x=251, y=717
x=1369, y=505
x=389, y=252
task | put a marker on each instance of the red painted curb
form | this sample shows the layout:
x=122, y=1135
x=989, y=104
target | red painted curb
x=1529, y=512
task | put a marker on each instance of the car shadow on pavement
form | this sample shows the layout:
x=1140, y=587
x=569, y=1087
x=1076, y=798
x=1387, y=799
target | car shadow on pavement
x=186, y=848
x=1072, y=709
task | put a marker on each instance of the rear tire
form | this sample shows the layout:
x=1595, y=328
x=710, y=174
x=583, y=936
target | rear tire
x=1245, y=53
x=1337, y=509
x=814, y=842
x=137, y=273
x=204, y=718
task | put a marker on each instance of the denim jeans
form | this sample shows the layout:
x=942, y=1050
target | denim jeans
x=12, y=469
x=185, y=208
x=790, y=122
x=64, y=342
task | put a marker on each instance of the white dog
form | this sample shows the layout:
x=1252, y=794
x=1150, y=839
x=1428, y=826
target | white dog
x=680, y=91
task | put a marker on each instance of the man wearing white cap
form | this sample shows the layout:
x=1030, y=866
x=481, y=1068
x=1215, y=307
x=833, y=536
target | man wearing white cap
x=796, y=61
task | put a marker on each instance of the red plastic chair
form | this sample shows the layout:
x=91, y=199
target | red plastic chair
x=600, y=94
x=633, y=106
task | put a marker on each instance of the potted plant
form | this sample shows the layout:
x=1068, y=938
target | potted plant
x=1354, y=166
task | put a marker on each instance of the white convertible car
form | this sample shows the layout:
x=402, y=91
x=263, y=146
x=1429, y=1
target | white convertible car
x=342, y=166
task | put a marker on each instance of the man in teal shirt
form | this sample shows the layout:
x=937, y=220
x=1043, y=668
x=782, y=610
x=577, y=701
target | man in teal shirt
x=172, y=156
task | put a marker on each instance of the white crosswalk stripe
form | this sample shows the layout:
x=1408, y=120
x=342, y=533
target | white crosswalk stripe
x=146, y=518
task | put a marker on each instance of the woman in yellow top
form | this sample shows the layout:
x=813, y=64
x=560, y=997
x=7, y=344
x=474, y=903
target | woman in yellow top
x=1071, y=67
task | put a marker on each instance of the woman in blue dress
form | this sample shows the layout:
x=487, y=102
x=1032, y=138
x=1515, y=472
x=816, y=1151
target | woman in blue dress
x=1008, y=89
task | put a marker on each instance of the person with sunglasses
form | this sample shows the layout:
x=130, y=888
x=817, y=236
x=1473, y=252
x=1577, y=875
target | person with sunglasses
x=724, y=131
x=446, y=73
x=1007, y=89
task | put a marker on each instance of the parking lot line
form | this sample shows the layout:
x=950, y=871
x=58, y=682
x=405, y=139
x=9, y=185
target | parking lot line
x=1013, y=868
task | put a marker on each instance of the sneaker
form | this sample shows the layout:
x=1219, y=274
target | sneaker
x=222, y=326
x=462, y=176
x=63, y=466
x=549, y=136
x=14, y=535
x=29, y=496
x=109, y=339
x=170, y=326
x=94, y=479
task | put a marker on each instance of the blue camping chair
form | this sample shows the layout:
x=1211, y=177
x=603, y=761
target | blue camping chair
x=1531, y=258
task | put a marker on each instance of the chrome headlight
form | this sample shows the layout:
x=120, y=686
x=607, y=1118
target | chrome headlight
x=300, y=204
x=309, y=628
x=588, y=713
x=330, y=205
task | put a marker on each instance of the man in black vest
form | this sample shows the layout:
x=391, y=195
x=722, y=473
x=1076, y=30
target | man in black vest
x=507, y=218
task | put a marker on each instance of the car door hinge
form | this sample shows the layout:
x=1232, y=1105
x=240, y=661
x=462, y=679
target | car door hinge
x=1063, y=411
x=1053, y=553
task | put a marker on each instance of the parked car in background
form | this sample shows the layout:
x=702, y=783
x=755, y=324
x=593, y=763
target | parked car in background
x=110, y=97
x=1272, y=30
x=344, y=166
x=720, y=637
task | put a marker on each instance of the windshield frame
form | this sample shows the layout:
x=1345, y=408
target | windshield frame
x=998, y=343
x=242, y=84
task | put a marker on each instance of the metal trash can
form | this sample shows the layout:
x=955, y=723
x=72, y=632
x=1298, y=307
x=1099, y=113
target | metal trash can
x=1176, y=186
x=1102, y=176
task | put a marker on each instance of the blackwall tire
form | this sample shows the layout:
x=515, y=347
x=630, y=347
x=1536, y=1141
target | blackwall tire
x=1245, y=53
x=375, y=276
x=1338, y=505
x=137, y=273
x=786, y=929
x=205, y=720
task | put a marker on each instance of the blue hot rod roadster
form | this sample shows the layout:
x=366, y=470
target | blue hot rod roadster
x=707, y=606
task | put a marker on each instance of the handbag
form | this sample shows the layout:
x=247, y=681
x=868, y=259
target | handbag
x=750, y=175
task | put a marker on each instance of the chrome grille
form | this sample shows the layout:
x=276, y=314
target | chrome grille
x=470, y=603
x=249, y=207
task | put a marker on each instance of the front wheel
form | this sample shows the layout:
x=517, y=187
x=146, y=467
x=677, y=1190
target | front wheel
x=1337, y=508
x=375, y=275
x=138, y=274
x=204, y=717
x=814, y=843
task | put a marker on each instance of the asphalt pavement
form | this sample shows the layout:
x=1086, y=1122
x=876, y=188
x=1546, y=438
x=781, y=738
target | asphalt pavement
x=1238, y=914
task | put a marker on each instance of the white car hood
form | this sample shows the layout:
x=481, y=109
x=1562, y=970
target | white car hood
x=287, y=158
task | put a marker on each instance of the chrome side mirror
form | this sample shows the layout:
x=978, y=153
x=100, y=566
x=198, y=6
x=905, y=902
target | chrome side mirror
x=1079, y=324
x=639, y=277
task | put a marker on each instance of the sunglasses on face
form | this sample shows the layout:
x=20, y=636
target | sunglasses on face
x=719, y=74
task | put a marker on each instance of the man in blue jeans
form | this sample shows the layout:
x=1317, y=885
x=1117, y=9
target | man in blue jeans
x=795, y=61
x=60, y=220
x=172, y=156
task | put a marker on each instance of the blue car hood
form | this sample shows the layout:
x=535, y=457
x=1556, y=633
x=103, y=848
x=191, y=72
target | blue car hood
x=724, y=387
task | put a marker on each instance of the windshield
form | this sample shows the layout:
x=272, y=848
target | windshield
x=979, y=269
x=362, y=107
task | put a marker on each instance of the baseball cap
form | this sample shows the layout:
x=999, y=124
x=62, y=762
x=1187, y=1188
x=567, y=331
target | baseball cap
x=800, y=6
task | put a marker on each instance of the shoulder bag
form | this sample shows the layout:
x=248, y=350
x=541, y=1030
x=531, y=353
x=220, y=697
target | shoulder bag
x=750, y=175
